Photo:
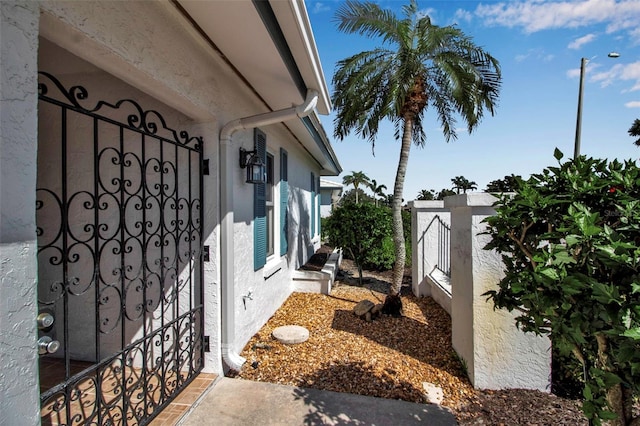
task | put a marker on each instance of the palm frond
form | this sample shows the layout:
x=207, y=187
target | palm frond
x=459, y=79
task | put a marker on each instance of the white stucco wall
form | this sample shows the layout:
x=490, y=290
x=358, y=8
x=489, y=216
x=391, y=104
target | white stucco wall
x=272, y=284
x=19, y=393
x=497, y=354
x=426, y=279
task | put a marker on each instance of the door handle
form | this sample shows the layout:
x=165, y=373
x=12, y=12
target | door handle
x=46, y=345
x=45, y=320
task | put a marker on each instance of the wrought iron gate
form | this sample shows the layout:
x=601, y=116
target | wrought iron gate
x=119, y=219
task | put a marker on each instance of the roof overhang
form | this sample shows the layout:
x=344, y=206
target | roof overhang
x=270, y=45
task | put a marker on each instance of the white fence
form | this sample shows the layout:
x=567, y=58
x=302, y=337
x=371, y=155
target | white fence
x=497, y=354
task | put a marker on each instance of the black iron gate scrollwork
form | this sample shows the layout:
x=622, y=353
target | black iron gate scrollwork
x=119, y=216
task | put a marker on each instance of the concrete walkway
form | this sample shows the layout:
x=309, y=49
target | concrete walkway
x=240, y=402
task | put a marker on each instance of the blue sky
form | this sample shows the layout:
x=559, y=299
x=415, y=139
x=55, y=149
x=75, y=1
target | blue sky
x=539, y=45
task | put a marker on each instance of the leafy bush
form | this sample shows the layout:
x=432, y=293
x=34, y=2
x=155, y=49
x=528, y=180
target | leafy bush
x=361, y=231
x=406, y=226
x=381, y=257
x=570, y=239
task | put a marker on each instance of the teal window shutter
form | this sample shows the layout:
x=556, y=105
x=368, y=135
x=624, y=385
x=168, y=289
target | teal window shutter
x=319, y=206
x=284, y=202
x=259, y=206
x=312, y=213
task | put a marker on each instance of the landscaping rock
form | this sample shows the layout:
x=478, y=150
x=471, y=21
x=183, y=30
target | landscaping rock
x=432, y=393
x=375, y=311
x=363, y=307
x=291, y=334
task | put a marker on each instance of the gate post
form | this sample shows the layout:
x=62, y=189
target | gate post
x=496, y=353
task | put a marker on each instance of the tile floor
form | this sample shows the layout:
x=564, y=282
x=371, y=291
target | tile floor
x=170, y=415
x=52, y=372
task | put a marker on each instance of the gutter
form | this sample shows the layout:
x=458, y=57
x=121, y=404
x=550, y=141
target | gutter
x=227, y=162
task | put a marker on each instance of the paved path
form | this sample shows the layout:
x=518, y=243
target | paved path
x=238, y=402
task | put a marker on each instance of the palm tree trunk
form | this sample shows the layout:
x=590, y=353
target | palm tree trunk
x=398, y=231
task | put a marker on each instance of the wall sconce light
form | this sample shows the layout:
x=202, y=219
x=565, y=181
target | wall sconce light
x=256, y=169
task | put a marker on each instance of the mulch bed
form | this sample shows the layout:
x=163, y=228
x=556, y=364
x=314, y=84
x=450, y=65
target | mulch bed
x=389, y=357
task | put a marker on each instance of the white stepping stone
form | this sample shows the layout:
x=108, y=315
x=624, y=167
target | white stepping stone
x=290, y=334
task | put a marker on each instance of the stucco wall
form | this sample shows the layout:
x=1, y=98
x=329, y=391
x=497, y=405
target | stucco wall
x=272, y=284
x=497, y=354
x=427, y=279
x=19, y=394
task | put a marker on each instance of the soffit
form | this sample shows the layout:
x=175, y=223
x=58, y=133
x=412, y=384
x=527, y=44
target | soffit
x=237, y=30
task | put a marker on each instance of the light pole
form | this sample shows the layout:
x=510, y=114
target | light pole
x=583, y=63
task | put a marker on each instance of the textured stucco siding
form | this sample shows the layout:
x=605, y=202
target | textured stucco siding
x=19, y=394
x=272, y=284
x=498, y=355
x=529, y=356
x=462, y=318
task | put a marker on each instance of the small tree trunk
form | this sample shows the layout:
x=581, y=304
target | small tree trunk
x=627, y=401
x=620, y=400
x=398, y=231
x=615, y=401
x=393, y=303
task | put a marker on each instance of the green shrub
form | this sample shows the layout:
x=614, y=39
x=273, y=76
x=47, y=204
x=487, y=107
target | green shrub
x=570, y=239
x=406, y=227
x=381, y=257
x=361, y=230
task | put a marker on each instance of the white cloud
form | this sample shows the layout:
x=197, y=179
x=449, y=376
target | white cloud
x=605, y=78
x=580, y=41
x=320, y=7
x=635, y=36
x=430, y=12
x=462, y=16
x=632, y=72
x=633, y=104
x=590, y=68
x=626, y=73
x=537, y=54
x=538, y=15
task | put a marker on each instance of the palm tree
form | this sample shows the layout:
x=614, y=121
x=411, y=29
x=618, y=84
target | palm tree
x=377, y=190
x=634, y=130
x=426, y=195
x=464, y=184
x=356, y=179
x=417, y=65
x=444, y=193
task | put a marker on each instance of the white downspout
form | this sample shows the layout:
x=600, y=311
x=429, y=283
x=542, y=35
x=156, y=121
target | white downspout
x=227, y=164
